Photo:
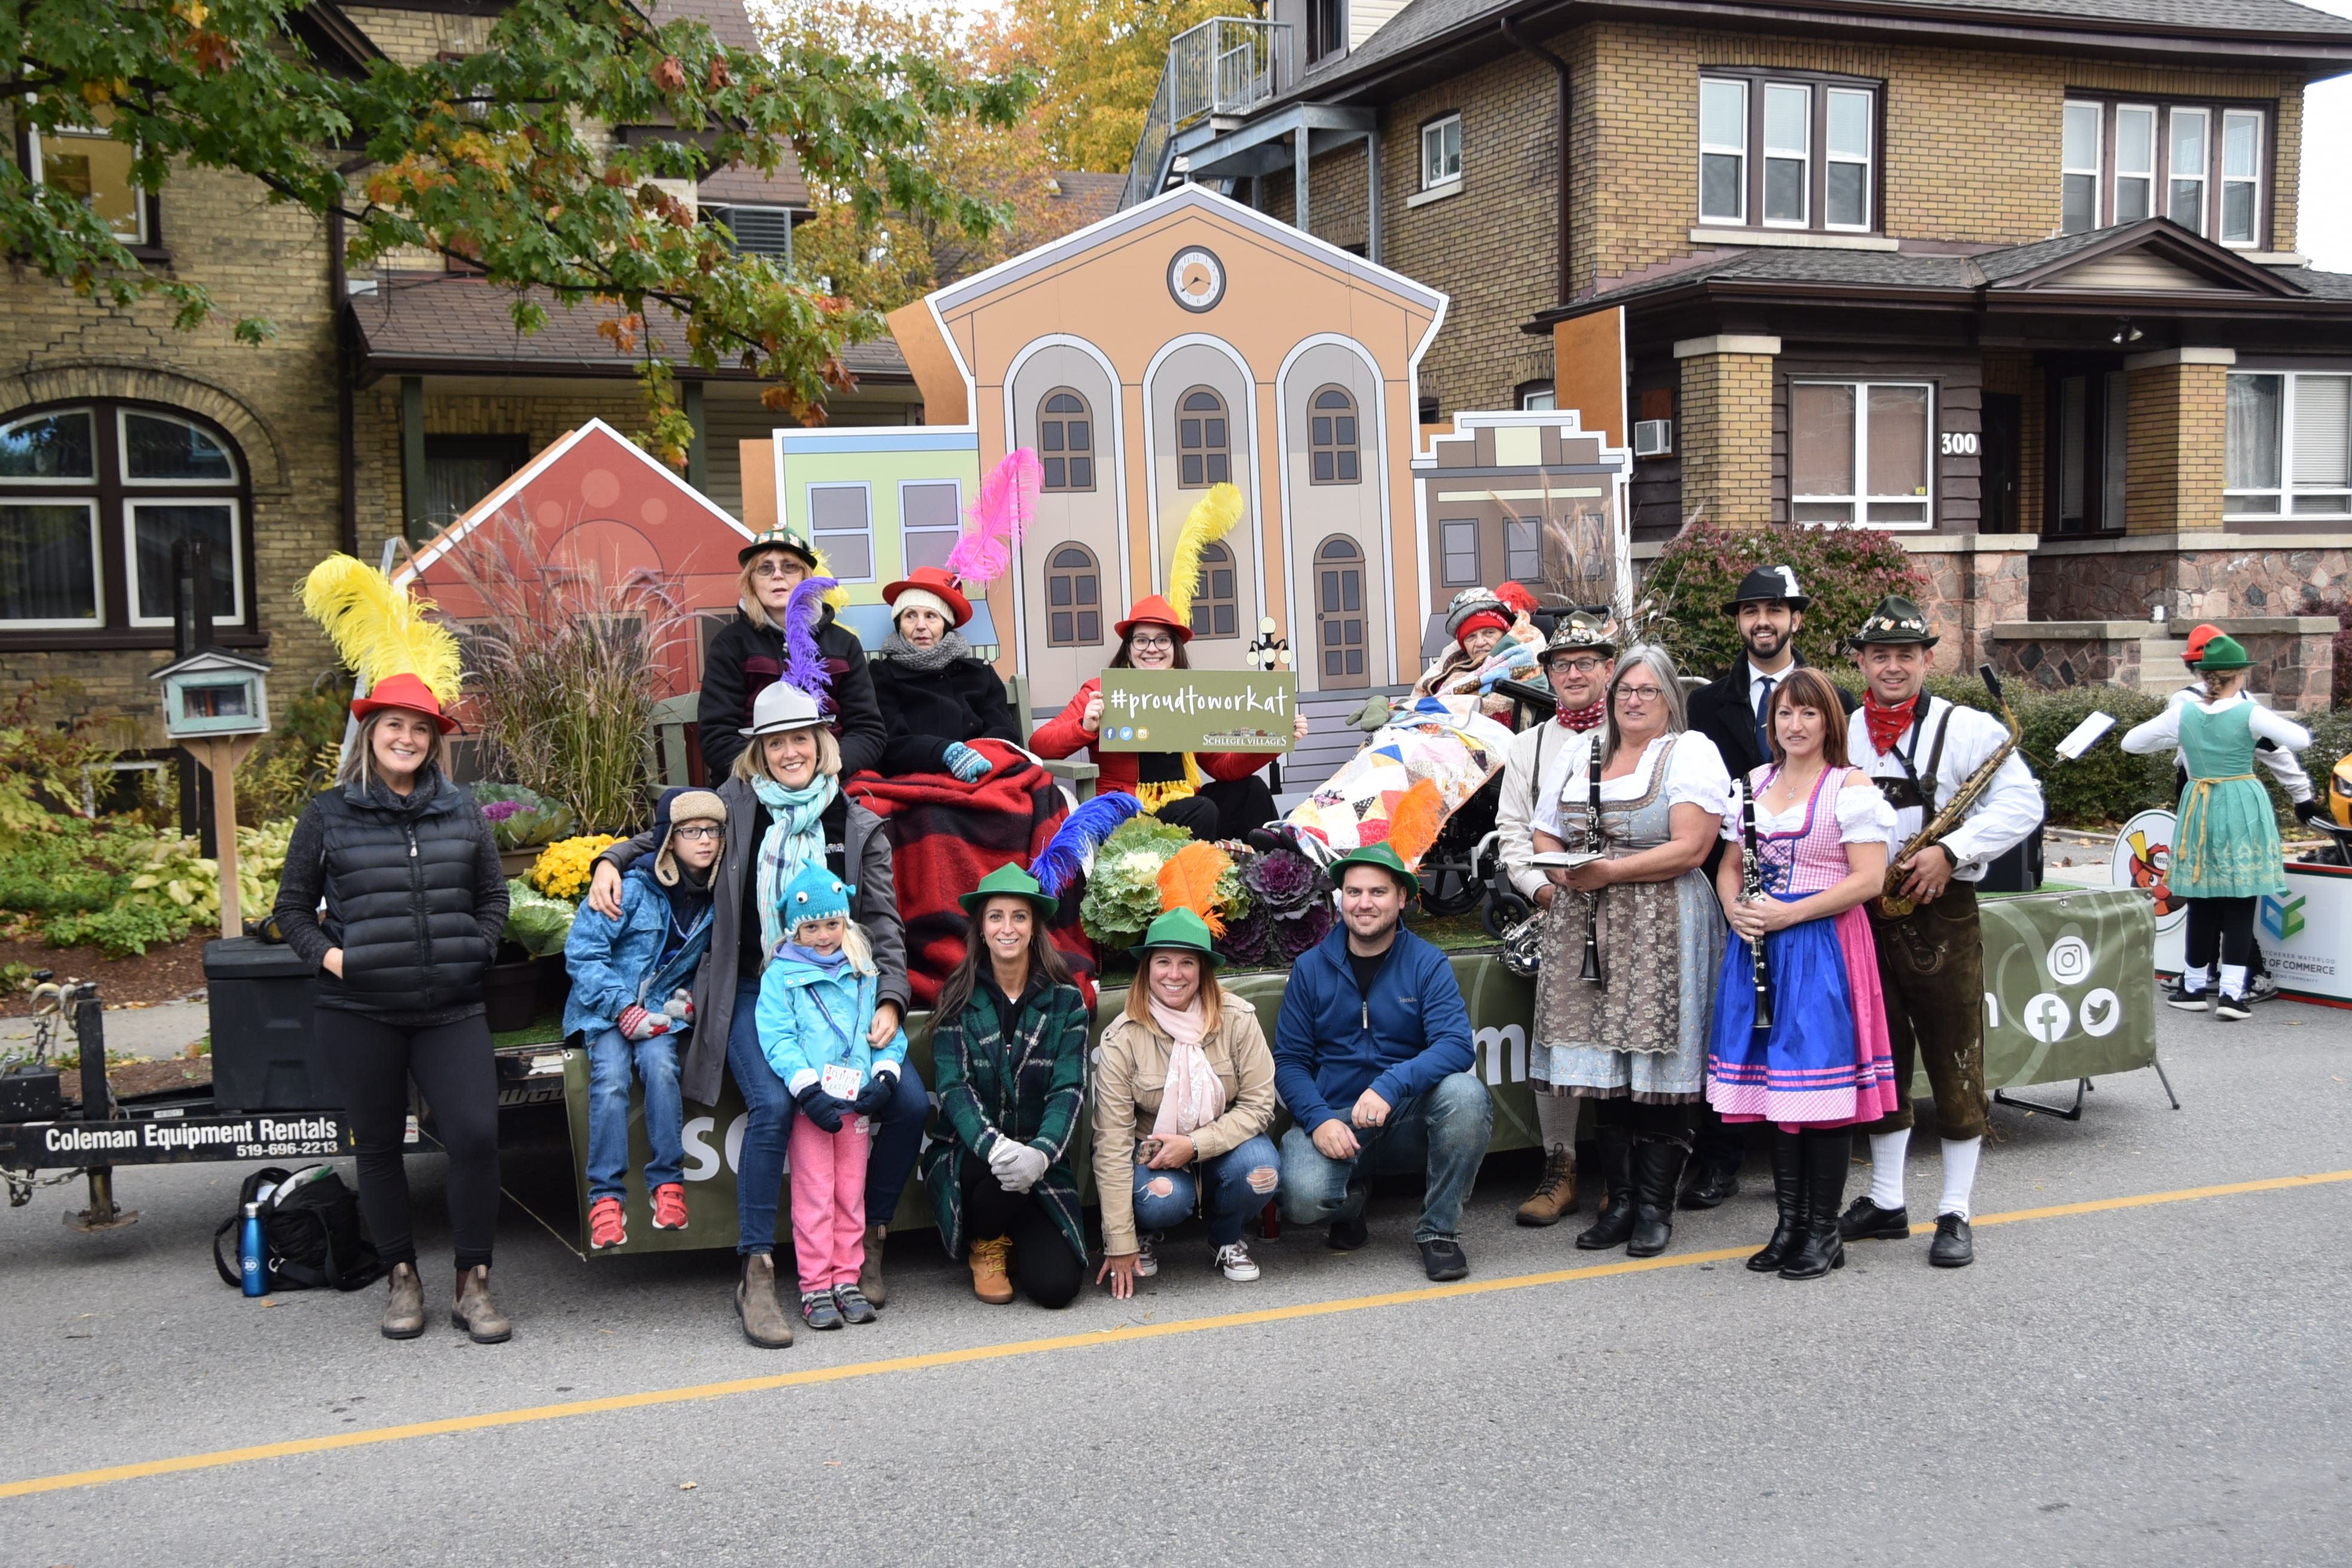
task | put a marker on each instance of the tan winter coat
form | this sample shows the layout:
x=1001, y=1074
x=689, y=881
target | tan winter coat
x=1131, y=1068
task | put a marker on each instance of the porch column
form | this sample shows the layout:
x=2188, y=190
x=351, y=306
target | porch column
x=413, y=502
x=1299, y=219
x=2176, y=439
x=1726, y=438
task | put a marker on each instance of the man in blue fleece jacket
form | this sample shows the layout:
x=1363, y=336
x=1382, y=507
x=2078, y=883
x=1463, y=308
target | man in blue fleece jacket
x=1372, y=1055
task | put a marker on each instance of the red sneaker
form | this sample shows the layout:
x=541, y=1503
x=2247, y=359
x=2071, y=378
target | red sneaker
x=607, y=1226
x=669, y=1207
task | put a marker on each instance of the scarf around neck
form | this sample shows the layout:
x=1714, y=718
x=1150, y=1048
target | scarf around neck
x=926, y=660
x=795, y=838
x=1887, y=724
x=1192, y=1097
x=1580, y=719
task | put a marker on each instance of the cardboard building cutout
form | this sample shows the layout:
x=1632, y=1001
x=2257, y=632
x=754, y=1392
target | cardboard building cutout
x=878, y=503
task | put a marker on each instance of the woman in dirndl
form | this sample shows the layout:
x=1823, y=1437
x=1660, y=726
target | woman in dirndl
x=1823, y=1064
x=1637, y=1040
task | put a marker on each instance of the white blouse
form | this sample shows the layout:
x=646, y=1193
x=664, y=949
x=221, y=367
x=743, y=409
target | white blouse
x=1863, y=816
x=1695, y=776
x=2162, y=733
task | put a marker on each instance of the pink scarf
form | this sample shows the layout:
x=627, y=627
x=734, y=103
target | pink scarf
x=1193, y=1098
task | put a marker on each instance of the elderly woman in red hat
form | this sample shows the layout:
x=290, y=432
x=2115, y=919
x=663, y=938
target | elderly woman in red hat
x=935, y=693
x=1211, y=793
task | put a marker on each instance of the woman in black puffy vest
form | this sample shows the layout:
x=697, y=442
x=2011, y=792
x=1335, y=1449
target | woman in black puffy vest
x=414, y=906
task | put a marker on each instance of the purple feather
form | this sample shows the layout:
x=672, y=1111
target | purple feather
x=804, y=660
x=1082, y=833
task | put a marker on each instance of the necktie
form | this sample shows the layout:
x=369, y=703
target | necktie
x=1764, y=720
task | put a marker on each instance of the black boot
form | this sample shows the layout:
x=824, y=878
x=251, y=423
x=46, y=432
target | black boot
x=1614, y=1156
x=1657, y=1166
x=1826, y=1156
x=1788, y=1192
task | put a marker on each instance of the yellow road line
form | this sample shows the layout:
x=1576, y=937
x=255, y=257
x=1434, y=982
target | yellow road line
x=1125, y=1335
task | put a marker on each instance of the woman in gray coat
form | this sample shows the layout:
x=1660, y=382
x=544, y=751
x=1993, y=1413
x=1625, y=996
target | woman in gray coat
x=785, y=785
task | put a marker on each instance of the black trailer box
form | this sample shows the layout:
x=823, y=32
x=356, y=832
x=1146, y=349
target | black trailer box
x=266, y=1051
x=29, y=1093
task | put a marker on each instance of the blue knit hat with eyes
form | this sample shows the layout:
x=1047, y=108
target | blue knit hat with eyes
x=815, y=894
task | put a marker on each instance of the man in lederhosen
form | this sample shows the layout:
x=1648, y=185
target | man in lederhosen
x=1931, y=961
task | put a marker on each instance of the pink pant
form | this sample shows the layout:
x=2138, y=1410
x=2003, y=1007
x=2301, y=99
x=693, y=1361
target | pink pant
x=828, y=1201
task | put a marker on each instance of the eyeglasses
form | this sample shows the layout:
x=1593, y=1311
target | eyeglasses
x=1639, y=693
x=780, y=569
x=1141, y=644
x=1574, y=666
x=700, y=830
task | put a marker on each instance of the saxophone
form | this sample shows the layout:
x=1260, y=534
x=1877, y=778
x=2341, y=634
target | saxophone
x=1891, y=903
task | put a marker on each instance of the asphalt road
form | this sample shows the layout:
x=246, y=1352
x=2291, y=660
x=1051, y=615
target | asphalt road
x=2160, y=1383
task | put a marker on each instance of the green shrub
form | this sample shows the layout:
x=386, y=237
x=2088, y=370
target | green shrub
x=1845, y=570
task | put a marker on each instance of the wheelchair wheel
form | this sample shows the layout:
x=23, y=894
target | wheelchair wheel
x=1449, y=886
x=1505, y=909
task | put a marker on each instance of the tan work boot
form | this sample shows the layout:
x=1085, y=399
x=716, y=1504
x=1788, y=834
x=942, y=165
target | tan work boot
x=990, y=1282
x=476, y=1313
x=869, y=1278
x=404, y=1313
x=764, y=1323
x=1555, y=1196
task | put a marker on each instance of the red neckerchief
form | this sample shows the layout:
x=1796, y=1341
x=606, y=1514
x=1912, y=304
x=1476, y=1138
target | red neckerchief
x=1887, y=724
x=1582, y=718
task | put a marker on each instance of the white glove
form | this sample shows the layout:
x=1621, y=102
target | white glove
x=1017, y=1165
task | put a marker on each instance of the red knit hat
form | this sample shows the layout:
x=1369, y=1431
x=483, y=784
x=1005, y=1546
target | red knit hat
x=1478, y=618
x=1155, y=611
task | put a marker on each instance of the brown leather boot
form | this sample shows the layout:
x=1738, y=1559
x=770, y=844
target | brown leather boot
x=404, y=1313
x=990, y=1280
x=1555, y=1196
x=764, y=1323
x=476, y=1313
x=869, y=1278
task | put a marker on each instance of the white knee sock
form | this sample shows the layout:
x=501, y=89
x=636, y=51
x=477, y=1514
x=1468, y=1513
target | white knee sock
x=1555, y=1118
x=2196, y=977
x=1886, y=1151
x=2233, y=980
x=1959, y=1175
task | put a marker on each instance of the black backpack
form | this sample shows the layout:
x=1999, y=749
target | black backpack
x=310, y=1227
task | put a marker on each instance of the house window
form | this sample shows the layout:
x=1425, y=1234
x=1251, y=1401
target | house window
x=1816, y=142
x=1457, y=545
x=460, y=470
x=755, y=231
x=1533, y=395
x=840, y=523
x=94, y=498
x=1523, y=549
x=1333, y=426
x=1203, y=455
x=95, y=168
x=930, y=518
x=2199, y=165
x=2289, y=446
x=2094, y=418
x=1065, y=441
x=1858, y=452
x=1326, y=28
x=1440, y=152
x=1072, y=597
x=1216, y=609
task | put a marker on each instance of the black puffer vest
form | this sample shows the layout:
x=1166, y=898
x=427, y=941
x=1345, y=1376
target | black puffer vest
x=401, y=883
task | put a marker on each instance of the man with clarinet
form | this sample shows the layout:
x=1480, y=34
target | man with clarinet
x=1955, y=771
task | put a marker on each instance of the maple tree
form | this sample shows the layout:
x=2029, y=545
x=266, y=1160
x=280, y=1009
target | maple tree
x=1097, y=64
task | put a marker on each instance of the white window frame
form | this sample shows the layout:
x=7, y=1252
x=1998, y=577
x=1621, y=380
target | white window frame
x=2202, y=178
x=131, y=506
x=1861, y=501
x=2288, y=489
x=1867, y=161
x=2095, y=172
x=1446, y=553
x=96, y=619
x=2155, y=149
x=865, y=494
x=1435, y=172
x=1802, y=153
x=2222, y=203
x=1724, y=150
x=906, y=531
x=80, y=133
x=123, y=448
x=88, y=479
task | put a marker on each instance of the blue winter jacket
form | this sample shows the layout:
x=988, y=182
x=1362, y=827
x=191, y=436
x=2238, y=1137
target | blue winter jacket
x=616, y=963
x=1332, y=1042
x=811, y=1019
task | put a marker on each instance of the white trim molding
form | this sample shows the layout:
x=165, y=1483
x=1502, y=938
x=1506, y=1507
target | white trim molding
x=1726, y=344
x=1792, y=239
x=2181, y=356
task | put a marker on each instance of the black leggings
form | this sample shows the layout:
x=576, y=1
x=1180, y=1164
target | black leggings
x=1624, y=1117
x=1043, y=1265
x=2223, y=925
x=452, y=1066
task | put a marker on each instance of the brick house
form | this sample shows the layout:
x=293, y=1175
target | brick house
x=2018, y=284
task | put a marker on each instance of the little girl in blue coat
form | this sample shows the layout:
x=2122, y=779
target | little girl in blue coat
x=816, y=1002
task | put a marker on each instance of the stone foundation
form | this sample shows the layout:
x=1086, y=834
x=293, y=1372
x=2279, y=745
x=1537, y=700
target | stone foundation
x=2193, y=576
x=2293, y=656
x=1976, y=582
x=2055, y=655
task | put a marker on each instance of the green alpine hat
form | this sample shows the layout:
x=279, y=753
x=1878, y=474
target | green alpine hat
x=778, y=538
x=2224, y=653
x=1896, y=620
x=1182, y=930
x=1009, y=879
x=1379, y=855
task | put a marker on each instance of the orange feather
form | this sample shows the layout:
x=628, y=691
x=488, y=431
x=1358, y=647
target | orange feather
x=1413, y=825
x=1189, y=881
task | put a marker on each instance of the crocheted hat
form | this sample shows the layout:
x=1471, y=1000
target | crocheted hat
x=815, y=894
x=1473, y=608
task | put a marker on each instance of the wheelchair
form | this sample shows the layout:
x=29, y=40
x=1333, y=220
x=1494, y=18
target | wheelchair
x=1464, y=868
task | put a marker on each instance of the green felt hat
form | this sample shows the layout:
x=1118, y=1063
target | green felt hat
x=1379, y=855
x=1009, y=880
x=1182, y=930
x=1896, y=620
x=2224, y=653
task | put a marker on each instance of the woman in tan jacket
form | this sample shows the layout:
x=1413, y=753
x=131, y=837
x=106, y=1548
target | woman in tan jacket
x=1183, y=1095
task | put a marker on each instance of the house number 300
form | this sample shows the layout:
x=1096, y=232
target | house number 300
x=1959, y=444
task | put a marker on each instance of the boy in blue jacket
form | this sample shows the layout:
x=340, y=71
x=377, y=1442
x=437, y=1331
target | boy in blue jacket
x=1372, y=1055
x=629, y=1005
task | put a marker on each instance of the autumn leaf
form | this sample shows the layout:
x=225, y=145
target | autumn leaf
x=669, y=75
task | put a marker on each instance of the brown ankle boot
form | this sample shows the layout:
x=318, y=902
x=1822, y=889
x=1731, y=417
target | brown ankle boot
x=869, y=1278
x=1555, y=1196
x=764, y=1323
x=476, y=1313
x=990, y=1280
x=404, y=1313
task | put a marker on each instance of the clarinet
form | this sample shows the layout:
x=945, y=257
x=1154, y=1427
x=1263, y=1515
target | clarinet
x=1752, y=890
x=1592, y=843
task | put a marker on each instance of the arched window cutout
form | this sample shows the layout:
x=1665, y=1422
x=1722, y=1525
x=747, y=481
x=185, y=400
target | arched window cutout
x=1340, y=611
x=1065, y=441
x=1072, y=597
x=1216, y=609
x=1333, y=429
x=1203, y=446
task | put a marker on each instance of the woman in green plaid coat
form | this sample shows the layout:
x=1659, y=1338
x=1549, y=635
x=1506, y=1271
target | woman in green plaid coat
x=1009, y=1055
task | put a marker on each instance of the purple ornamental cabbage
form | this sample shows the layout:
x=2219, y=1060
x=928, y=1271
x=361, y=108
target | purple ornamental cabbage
x=1248, y=937
x=1294, y=934
x=1281, y=879
x=500, y=810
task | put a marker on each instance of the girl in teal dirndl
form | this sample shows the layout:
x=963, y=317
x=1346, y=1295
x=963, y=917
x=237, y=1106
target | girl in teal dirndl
x=2225, y=844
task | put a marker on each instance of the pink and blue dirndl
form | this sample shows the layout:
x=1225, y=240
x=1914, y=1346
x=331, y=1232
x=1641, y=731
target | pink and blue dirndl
x=1826, y=1062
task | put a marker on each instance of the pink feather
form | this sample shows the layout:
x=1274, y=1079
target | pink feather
x=999, y=515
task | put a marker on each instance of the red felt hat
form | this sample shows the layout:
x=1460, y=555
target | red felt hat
x=2199, y=636
x=939, y=583
x=407, y=691
x=1154, y=611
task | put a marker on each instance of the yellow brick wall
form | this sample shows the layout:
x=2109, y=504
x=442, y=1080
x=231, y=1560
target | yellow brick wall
x=2176, y=437
x=1725, y=431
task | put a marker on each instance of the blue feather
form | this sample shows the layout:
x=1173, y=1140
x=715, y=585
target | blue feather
x=1067, y=854
x=804, y=659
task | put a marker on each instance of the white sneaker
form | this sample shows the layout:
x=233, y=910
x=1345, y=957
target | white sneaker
x=1235, y=1259
x=1147, y=1256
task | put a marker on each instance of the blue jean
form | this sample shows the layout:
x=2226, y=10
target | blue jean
x=1230, y=1199
x=611, y=1056
x=1441, y=1133
x=760, y=1162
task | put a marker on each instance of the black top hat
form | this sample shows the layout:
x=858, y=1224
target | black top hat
x=1773, y=583
x=1896, y=620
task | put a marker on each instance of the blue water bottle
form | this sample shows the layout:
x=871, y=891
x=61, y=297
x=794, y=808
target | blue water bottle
x=252, y=1261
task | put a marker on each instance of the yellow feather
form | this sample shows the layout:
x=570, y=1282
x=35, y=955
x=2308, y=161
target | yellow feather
x=380, y=630
x=1213, y=516
x=837, y=597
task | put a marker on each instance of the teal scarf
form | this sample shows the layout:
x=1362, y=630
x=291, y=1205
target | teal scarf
x=795, y=839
